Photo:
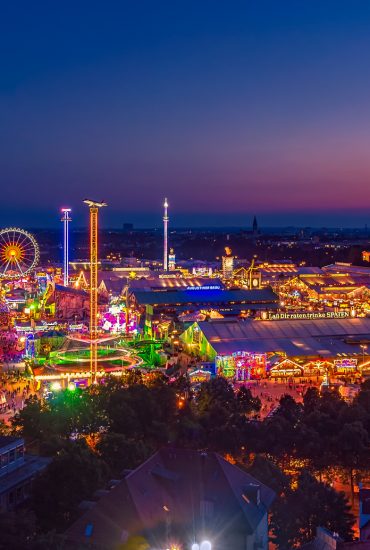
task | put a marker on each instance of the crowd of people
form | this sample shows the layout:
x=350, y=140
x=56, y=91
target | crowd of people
x=15, y=388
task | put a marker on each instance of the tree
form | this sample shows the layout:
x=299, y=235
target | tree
x=29, y=420
x=311, y=504
x=217, y=391
x=122, y=454
x=246, y=403
x=269, y=473
x=353, y=445
x=289, y=409
x=73, y=475
x=311, y=400
x=66, y=413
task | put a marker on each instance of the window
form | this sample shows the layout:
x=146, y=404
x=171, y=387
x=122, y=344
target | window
x=4, y=460
x=11, y=455
x=19, y=452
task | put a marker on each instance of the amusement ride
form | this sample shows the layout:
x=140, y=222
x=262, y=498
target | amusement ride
x=19, y=253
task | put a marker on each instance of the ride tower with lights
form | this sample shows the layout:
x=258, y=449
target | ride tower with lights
x=94, y=210
x=165, y=235
x=66, y=219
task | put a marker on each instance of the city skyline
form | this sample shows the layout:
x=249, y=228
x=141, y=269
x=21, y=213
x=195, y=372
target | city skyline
x=115, y=219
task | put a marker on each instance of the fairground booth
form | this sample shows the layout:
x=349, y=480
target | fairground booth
x=281, y=348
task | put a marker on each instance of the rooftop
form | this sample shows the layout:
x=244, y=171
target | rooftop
x=30, y=466
x=211, y=296
x=323, y=337
x=172, y=485
x=6, y=440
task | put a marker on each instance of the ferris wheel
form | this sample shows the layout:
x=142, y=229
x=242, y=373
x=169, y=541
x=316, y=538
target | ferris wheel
x=19, y=253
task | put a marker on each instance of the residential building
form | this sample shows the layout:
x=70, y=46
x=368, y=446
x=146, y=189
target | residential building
x=177, y=498
x=17, y=472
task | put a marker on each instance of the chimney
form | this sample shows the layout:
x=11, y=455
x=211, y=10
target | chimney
x=329, y=539
x=252, y=494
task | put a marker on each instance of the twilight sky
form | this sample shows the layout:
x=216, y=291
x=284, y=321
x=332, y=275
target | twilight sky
x=230, y=108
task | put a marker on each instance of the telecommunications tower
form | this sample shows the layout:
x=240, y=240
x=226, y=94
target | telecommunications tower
x=165, y=236
x=94, y=209
x=66, y=219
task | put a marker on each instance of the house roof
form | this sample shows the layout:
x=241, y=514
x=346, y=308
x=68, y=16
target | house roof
x=31, y=466
x=323, y=337
x=347, y=268
x=173, y=484
x=9, y=440
x=70, y=290
x=178, y=297
x=336, y=280
x=172, y=283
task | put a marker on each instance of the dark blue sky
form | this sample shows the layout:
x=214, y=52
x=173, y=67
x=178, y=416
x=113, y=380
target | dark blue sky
x=228, y=108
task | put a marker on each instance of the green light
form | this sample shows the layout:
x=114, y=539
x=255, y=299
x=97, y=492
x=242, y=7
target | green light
x=72, y=386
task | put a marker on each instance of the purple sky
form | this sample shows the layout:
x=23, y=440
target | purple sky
x=228, y=108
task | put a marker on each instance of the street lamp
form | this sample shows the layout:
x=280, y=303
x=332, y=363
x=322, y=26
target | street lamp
x=205, y=545
x=363, y=347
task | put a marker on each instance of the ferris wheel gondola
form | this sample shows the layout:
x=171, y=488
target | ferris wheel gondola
x=19, y=253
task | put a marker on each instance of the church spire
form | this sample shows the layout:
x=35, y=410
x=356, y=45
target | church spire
x=255, y=226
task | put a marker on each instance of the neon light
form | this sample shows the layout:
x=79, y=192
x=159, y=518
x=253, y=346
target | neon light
x=66, y=219
x=205, y=287
x=165, y=236
x=313, y=315
x=94, y=209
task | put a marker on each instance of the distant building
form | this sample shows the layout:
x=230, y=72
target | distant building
x=227, y=264
x=280, y=345
x=255, y=227
x=172, y=260
x=17, y=472
x=177, y=498
x=128, y=227
x=154, y=305
x=68, y=303
x=365, y=256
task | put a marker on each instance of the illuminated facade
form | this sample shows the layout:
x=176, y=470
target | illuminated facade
x=227, y=264
x=172, y=260
x=254, y=348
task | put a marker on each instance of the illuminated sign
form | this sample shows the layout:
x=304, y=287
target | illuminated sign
x=345, y=363
x=79, y=326
x=309, y=315
x=38, y=328
x=205, y=287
